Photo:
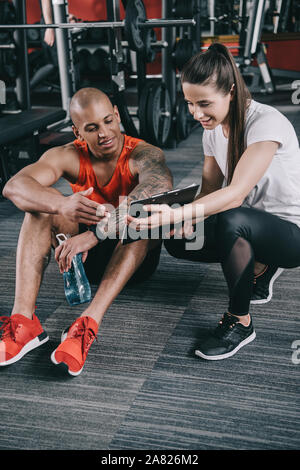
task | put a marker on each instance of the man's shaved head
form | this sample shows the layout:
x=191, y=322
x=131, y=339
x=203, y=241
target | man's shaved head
x=83, y=98
x=97, y=122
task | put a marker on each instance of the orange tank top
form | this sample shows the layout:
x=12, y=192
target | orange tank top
x=121, y=183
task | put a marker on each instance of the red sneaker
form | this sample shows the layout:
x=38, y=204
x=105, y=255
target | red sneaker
x=75, y=345
x=19, y=336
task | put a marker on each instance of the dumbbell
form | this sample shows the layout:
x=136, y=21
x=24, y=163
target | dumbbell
x=98, y=62
x=83, y=57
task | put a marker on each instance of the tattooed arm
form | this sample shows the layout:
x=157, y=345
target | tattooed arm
x=148, y=164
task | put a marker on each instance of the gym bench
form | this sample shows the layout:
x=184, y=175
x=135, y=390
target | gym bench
x=26, y=124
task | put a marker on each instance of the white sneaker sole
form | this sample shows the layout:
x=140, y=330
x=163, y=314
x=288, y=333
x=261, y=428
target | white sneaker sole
x=229, y=354
x=34, y=343
x=273, y=279
x=74, y=374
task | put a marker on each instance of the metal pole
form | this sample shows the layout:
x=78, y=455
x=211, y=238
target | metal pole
x=152, y=23
x=258, y=25
x=254, y=28
x=117, y=74
x=198, y=35
x=168, y=72
x=63, y=43
x=211, y=12
x=20, y=37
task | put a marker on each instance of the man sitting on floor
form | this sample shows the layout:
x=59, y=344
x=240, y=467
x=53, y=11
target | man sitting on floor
x=101, y=165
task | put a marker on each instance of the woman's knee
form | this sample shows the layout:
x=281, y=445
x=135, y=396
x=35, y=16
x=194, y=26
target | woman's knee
x=233, y=221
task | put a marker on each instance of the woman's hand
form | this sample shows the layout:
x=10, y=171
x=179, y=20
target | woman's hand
x=49, y=36
x=161, y=215
x=65, y=252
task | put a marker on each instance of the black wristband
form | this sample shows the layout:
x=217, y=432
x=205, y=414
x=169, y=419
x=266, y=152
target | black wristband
x=93, y=228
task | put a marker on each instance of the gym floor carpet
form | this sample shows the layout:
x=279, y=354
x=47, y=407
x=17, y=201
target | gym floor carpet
x=142, y=387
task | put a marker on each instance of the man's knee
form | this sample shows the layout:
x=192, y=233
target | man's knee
x=38, y=218
x=38, y=222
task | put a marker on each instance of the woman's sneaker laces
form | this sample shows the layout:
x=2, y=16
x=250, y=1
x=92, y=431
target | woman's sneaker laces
x=227, y=338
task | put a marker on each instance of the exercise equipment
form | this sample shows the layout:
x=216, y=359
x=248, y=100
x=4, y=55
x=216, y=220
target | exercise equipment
x=159, y=114
x=34, y=38
x=8, y=64
x=140, y=37
x=8, y=59
x=83, y=58
x=155, y=113
x=184, y=120
x=250, y=47
x=184, y=49
x=184, y=8
x=142, y=109
x=134, y=24
x=19, y=138
x=151, y=43
x=98, y=62
x=135, y=16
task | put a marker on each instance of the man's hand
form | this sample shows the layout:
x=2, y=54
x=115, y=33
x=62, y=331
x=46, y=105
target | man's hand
x=65, y=252
x=78, y=208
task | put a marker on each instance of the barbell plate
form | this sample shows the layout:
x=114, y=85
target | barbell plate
x=149, y=38
x=159, y=114
x=142, y=110
x=135, y=15
x=184, y=9
x=184, y=49
x=184, y=120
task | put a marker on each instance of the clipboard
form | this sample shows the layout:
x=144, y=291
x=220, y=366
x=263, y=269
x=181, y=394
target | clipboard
x=175, y=196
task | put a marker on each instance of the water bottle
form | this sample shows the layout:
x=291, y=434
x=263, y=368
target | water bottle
x=76, y=284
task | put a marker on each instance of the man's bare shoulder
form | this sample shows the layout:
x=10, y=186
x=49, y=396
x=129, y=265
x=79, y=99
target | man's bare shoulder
x=67, y=151
x=145, y=156
x=66, y=158
x=143, y=148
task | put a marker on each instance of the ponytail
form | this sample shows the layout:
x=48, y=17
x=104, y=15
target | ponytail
x=217, y=67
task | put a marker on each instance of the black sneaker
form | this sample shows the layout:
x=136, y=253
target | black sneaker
x=263, y=285
x=226, y=339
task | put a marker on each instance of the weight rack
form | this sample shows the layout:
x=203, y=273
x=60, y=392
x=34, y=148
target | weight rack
x=181, y=38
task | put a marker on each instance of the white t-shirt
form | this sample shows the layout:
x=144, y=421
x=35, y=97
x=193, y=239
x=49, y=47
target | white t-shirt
x=278, y=191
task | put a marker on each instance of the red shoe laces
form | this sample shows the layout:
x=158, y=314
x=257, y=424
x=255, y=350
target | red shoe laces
x=85, y=334
x=9, y=328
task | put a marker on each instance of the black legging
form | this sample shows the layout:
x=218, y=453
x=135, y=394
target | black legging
x=237, y=238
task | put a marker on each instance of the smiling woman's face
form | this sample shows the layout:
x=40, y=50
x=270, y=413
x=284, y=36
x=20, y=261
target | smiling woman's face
x=206, y=104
